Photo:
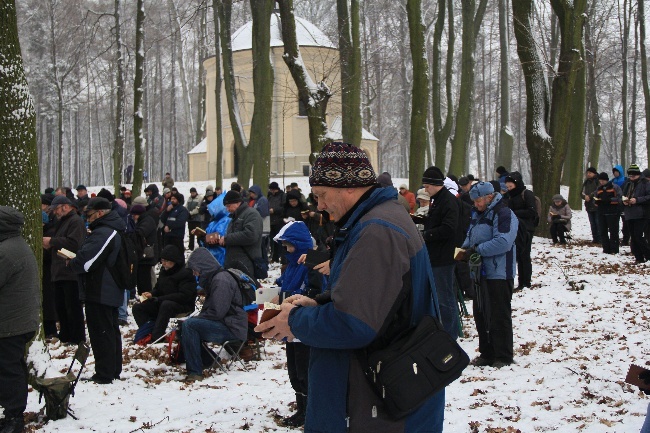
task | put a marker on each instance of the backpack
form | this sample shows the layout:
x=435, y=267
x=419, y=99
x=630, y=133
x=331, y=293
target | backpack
x=247, y=285
x=125, y=269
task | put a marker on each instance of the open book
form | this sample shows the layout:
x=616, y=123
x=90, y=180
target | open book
x=66, y=254
x=270, y=311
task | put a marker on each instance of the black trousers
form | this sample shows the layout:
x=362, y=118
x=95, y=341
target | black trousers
x=191, y=225
x=524, y=263
x=495, y=339
x=173, y=240
x=49, y=303
x=638, y=244
x=558, y=230
x=298, y=366
x=70, y=312
x=160, y=312
x=105, y=340
x=144, y=279
x=276, y=248
x=608, y=226
x=13, y=374
x=625, y=229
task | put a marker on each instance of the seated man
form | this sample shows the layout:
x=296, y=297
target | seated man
x=174, y=293
x=222, y=317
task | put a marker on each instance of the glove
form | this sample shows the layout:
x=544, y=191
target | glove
x=464, y=255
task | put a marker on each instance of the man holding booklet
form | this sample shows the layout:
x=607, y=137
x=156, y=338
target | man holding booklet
x=380, y=283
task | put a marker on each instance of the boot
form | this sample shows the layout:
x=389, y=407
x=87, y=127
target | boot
x=298, y=418
x=14, y=424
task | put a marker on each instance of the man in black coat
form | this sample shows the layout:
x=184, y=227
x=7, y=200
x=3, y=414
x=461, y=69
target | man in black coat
x=440, y=234
x=175, y=219
x=522, y=202
x=589, y=187
x=95, y=265
x=70, y=233
x=174, y=293
x=276, y=198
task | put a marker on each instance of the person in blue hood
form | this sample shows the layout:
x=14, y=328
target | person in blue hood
x=297, y=279
x=621, y=180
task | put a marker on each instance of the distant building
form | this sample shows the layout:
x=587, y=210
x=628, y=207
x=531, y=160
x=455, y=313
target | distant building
x=290, y=146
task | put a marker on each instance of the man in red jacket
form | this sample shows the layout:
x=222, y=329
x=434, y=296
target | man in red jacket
x=408, y=195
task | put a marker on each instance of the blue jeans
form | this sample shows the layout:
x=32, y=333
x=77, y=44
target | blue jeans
x=444, y=279
x=193, y=331
x=122, y=312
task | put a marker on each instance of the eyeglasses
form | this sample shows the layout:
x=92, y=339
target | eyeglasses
x=90, y=213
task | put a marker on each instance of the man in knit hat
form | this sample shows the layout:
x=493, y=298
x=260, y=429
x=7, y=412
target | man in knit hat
x=635, y=208
x=608, y=199
x=589, y=187
x=441, y=229
x=379, y=254
x=491, y=235
x=174, y=219
x=243, y=238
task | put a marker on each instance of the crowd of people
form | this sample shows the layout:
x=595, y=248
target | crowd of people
x=395, y=256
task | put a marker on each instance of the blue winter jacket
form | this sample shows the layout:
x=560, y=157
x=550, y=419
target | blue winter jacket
x=493, y=232
x=379, y=255
x=620, y=179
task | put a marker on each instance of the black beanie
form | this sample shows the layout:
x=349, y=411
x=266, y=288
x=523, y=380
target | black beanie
x=179, y=197
x=603, y=176
x=232, y=197
x=173, y=254
x=592, y=170
x=433, y=176
x=501, y=170
x=192, y=189
x=104, y=193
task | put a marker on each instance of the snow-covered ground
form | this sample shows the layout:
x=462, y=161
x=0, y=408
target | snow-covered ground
x=577, y=330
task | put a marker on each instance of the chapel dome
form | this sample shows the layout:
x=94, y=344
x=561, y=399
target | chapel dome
x=308, y=35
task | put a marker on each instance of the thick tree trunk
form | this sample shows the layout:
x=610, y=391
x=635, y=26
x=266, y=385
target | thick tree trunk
x=442, y=130
x=260, y=140
x=625, y=36
x=472, y=19
x=313, y=95
x=20, y=184
x=118, y=149
x=350, y=55
x=138, y=91
x=217, y=93
x=644, y=75
x=420, y=93
x=241, y=144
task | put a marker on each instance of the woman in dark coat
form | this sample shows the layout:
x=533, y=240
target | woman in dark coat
x=145, y=226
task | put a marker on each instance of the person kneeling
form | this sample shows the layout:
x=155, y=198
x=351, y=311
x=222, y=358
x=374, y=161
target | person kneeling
x=174, y=293
x=222, y=317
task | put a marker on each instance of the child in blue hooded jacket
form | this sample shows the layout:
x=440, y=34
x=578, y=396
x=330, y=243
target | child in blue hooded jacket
x=297, y=279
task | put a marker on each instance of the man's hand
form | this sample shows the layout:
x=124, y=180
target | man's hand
x=323, y=268
x=147, y=295
x=170, y=207
x=222, y=241
x=632, y=200
x=166, y=229
x=302, y=300
x=278, y=327
x=587, y=198
x=46, y=243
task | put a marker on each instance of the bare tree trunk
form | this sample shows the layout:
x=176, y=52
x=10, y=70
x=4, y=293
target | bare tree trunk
x=138, y=91
x=313, y=95
x=625, y=36
x=260, y=141
x=442, y=130
x=217, y=92
x=634, y=94
x=506, y=139
x=594, y=109
x=350, y=55
x=644, y=75
x=472, y=19
x=241, y=144
x=118, y=150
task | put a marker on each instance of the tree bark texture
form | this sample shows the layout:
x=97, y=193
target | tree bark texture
x=506, y=139
x=217, y=93
x=442, y=130
x=350, y=59
x=594, y=109
x=260, y=137
x=138, y=91
x=644, y=75
x=420, y=93
x=118, y=149
x=313, y=95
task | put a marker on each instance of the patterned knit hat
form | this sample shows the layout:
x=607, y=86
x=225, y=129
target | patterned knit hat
x=633, y=169
x=341, y=165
